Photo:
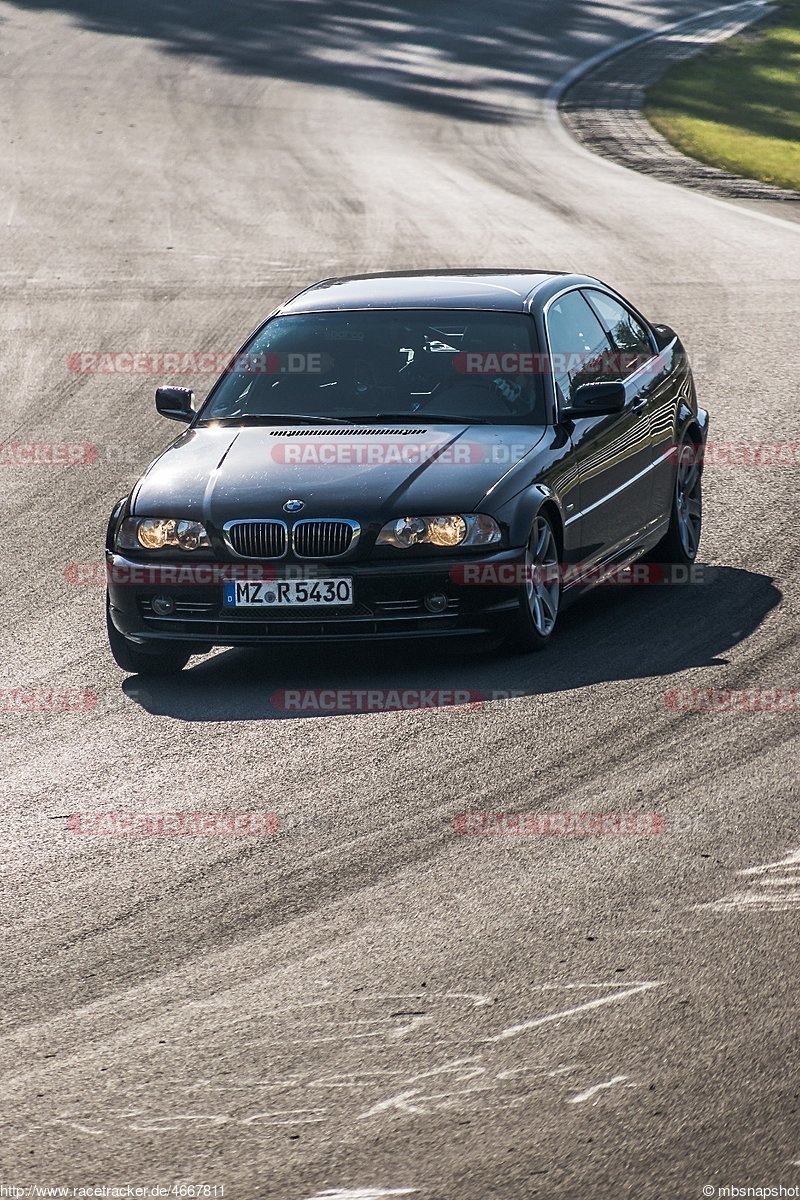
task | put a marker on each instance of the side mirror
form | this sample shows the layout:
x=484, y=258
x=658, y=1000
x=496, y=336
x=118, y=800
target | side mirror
x=175, y=403
x=664, y=335
x=596, y=400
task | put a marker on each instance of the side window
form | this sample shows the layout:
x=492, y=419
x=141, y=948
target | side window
x=628, y=334
x=579, y=346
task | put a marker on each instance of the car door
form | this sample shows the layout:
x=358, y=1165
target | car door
x=613, y=454
x=642, y=368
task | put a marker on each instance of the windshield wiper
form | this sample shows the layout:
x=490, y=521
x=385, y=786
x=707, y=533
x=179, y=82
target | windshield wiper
x=283, y=419
x=432, y=417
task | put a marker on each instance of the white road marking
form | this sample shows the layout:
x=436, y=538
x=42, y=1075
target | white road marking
x=362, y=1193
x=74, y=1123
x=411, y=1100
x=510, y=1072
x=790, y=861
x=414, y=1099
x=355, y=1079
x=770, y=892
x=478, y=998
x=536, y=1022
x=598, y=1087
x=157, y=1124
x=297, y=1116
x=401, y=1102
x=413, y=1024
x=739, y=901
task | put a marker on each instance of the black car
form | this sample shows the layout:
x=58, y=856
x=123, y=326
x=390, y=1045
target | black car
x=410, y=455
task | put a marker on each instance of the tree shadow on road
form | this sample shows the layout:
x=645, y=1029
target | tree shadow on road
x=633, y=634
x=442, y=56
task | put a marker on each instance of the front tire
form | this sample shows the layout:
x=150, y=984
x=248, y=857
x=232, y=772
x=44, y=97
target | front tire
x=143, y=662
x=682, y=539
x=539, y=597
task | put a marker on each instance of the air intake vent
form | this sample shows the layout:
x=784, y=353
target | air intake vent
x=257, y=539
x=323, y=539
x=337, y=431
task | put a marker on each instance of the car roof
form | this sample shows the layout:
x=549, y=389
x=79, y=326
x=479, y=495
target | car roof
x=506, y=291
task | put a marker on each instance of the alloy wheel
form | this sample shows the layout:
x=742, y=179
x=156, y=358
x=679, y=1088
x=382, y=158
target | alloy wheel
x=542, y=577
x=688, y=500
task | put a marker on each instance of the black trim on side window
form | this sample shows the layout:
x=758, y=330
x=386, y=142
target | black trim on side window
x=587, y=295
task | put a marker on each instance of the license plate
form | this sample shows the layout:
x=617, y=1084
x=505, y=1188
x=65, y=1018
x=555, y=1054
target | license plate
x=289, y=593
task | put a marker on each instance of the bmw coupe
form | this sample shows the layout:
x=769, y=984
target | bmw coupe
x=411, y=455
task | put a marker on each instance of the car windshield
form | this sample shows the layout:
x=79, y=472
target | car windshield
x=459, y=366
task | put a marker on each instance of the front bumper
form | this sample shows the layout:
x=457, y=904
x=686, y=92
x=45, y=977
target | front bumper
x=389, y=602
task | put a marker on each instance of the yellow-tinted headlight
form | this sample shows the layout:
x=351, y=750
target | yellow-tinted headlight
x=153, y=533
x=160, y=533
x=448, y=530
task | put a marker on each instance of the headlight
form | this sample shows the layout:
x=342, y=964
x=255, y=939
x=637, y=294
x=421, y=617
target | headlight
x=158, y=533
x=454, y=529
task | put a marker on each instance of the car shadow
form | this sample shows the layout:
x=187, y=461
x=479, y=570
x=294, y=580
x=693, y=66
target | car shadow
x=614, y=633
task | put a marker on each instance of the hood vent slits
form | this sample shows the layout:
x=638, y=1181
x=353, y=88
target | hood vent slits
x=339, y=431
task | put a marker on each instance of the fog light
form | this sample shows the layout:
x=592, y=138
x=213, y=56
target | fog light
x=436, y=602
x=162, y=605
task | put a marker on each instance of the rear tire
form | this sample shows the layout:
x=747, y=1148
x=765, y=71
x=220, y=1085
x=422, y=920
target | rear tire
x=136, y=661
x=539, y=597
x=682, y=539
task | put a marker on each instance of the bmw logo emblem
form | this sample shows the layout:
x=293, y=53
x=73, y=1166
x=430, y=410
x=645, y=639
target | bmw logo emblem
x=293, y=505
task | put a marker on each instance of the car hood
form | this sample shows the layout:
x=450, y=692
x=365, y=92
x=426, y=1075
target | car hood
x=215, y=474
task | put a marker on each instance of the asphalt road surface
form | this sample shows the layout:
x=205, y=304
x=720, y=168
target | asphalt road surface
x=367, y=1003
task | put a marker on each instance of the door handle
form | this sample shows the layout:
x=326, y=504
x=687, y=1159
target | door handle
x=639, y=404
